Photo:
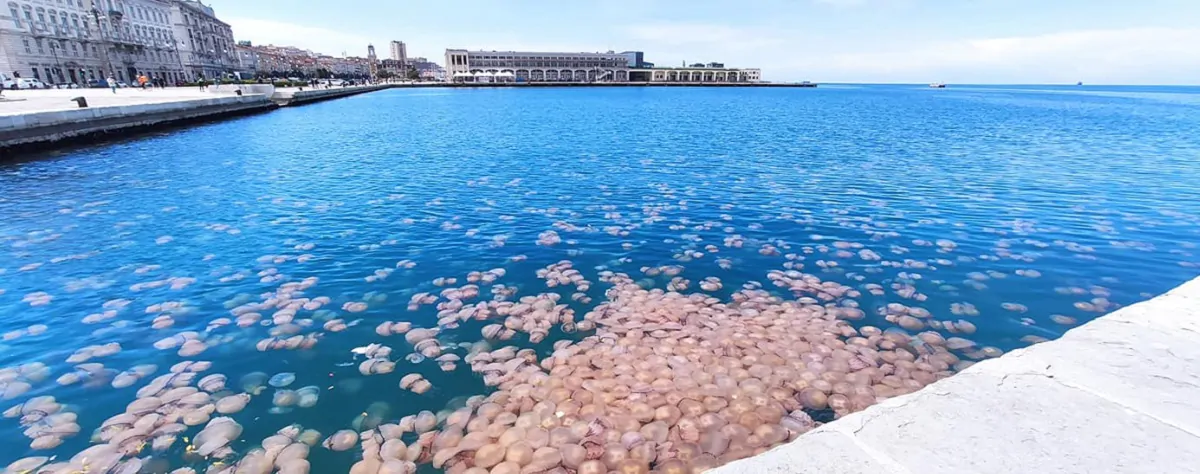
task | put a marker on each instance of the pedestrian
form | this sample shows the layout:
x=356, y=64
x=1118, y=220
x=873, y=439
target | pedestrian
x=112, y=83
x=142, y=81
x=203, y=84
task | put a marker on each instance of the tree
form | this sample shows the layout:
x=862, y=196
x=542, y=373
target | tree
x=323, y=73
x=385, y=74
x=413, y=74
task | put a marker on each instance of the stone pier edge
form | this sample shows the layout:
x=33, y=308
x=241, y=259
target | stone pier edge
x=1119, y=394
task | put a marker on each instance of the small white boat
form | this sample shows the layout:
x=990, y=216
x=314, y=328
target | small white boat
x=938, y=85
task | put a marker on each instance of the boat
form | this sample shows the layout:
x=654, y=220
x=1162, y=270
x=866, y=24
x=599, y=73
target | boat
x=938, y=85
x=1080, y=83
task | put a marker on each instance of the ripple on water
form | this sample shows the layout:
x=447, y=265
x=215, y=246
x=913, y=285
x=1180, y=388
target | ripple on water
x=525, y=279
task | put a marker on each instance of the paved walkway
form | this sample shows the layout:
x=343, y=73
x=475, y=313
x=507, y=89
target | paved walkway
x=49, y=100
x=1120, y=394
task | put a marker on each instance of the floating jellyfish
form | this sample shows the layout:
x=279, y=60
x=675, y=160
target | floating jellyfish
x=282, y=379
x=253, y=382
x=308, y=396
x=341, y=440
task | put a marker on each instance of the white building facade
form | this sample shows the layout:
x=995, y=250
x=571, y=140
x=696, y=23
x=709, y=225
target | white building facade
x=206, y=43
x=79, y=41
x=705, y=74
x=537, y=66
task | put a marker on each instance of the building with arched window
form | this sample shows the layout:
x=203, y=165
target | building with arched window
x=470, y=66
x=538, y=67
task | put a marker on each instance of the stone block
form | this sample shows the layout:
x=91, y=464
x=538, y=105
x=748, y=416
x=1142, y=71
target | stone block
x=1134, y=365
x=822, y=451
x=987, y=420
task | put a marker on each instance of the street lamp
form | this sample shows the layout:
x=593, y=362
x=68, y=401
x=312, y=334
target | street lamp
x=57, y=64
x=104, y=45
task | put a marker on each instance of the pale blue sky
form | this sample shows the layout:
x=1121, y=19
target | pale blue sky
x=956, y=41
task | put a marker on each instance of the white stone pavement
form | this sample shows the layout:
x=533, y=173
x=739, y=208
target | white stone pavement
x=1120, y=394
x=49, y=100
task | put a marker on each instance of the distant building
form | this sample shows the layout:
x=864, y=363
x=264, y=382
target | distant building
x=636, y=59
x=400, y=52
x=373, y=60
x=205, y=43
x=464, y=65
x=428, y=70
x=693, y=74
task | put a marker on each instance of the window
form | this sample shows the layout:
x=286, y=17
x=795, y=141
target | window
x=63, y=17
x=28, y=50
x=53, y=16
x=41, y=15
x=41, y=46
x=12, y=8
x=74, y=50
x=75, y=20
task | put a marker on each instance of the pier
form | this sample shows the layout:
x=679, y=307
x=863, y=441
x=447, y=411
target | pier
x=1118, y=394
x=43, y=119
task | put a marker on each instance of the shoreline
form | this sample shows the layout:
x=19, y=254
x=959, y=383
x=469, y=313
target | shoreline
x=1111, y=395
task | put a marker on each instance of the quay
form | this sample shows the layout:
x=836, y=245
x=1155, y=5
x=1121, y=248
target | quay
x=1120, y=394
x=43, y=119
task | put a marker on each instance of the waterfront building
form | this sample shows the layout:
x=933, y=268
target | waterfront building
x=465, y=65
x=696, y=74
x=476, y=66
x=428, y=70
x=393, y=67
x=78, y=41
x=400, y=52
x=206, y=43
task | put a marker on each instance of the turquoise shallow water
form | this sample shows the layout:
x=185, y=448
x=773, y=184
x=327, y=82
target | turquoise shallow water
x=1042, y=207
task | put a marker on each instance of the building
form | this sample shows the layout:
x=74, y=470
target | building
x=79, y=41
x=629, y=66
x=464, y=65
x=400, y=52
x=695, y=74
x=373, y=61
x=206, y=43
x=247, y=57
x=428, y=70
x=637, y=59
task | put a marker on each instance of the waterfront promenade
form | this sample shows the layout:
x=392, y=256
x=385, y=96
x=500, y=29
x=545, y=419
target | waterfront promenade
x=38, y=119
x=1120, y=394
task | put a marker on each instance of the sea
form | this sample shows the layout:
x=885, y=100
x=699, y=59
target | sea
x=1011, y=214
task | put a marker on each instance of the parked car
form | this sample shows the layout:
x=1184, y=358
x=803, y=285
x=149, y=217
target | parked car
x=25, y=83
x=66, y=85
x=98, y=84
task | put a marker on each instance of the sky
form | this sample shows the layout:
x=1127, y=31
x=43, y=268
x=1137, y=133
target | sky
x=866, y=41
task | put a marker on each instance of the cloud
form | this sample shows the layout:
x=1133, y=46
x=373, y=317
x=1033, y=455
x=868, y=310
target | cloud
x=313, y=38
x=1127, y=56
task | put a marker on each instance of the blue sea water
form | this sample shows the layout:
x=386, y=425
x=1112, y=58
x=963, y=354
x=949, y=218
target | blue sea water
x=1046, y=199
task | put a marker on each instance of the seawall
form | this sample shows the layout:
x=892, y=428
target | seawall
x=299, y=97
x=1120, y=394
x=40, y=130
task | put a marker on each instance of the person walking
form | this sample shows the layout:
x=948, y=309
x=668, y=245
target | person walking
x=203, y=84
x=112, y=83
x=142, y=81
